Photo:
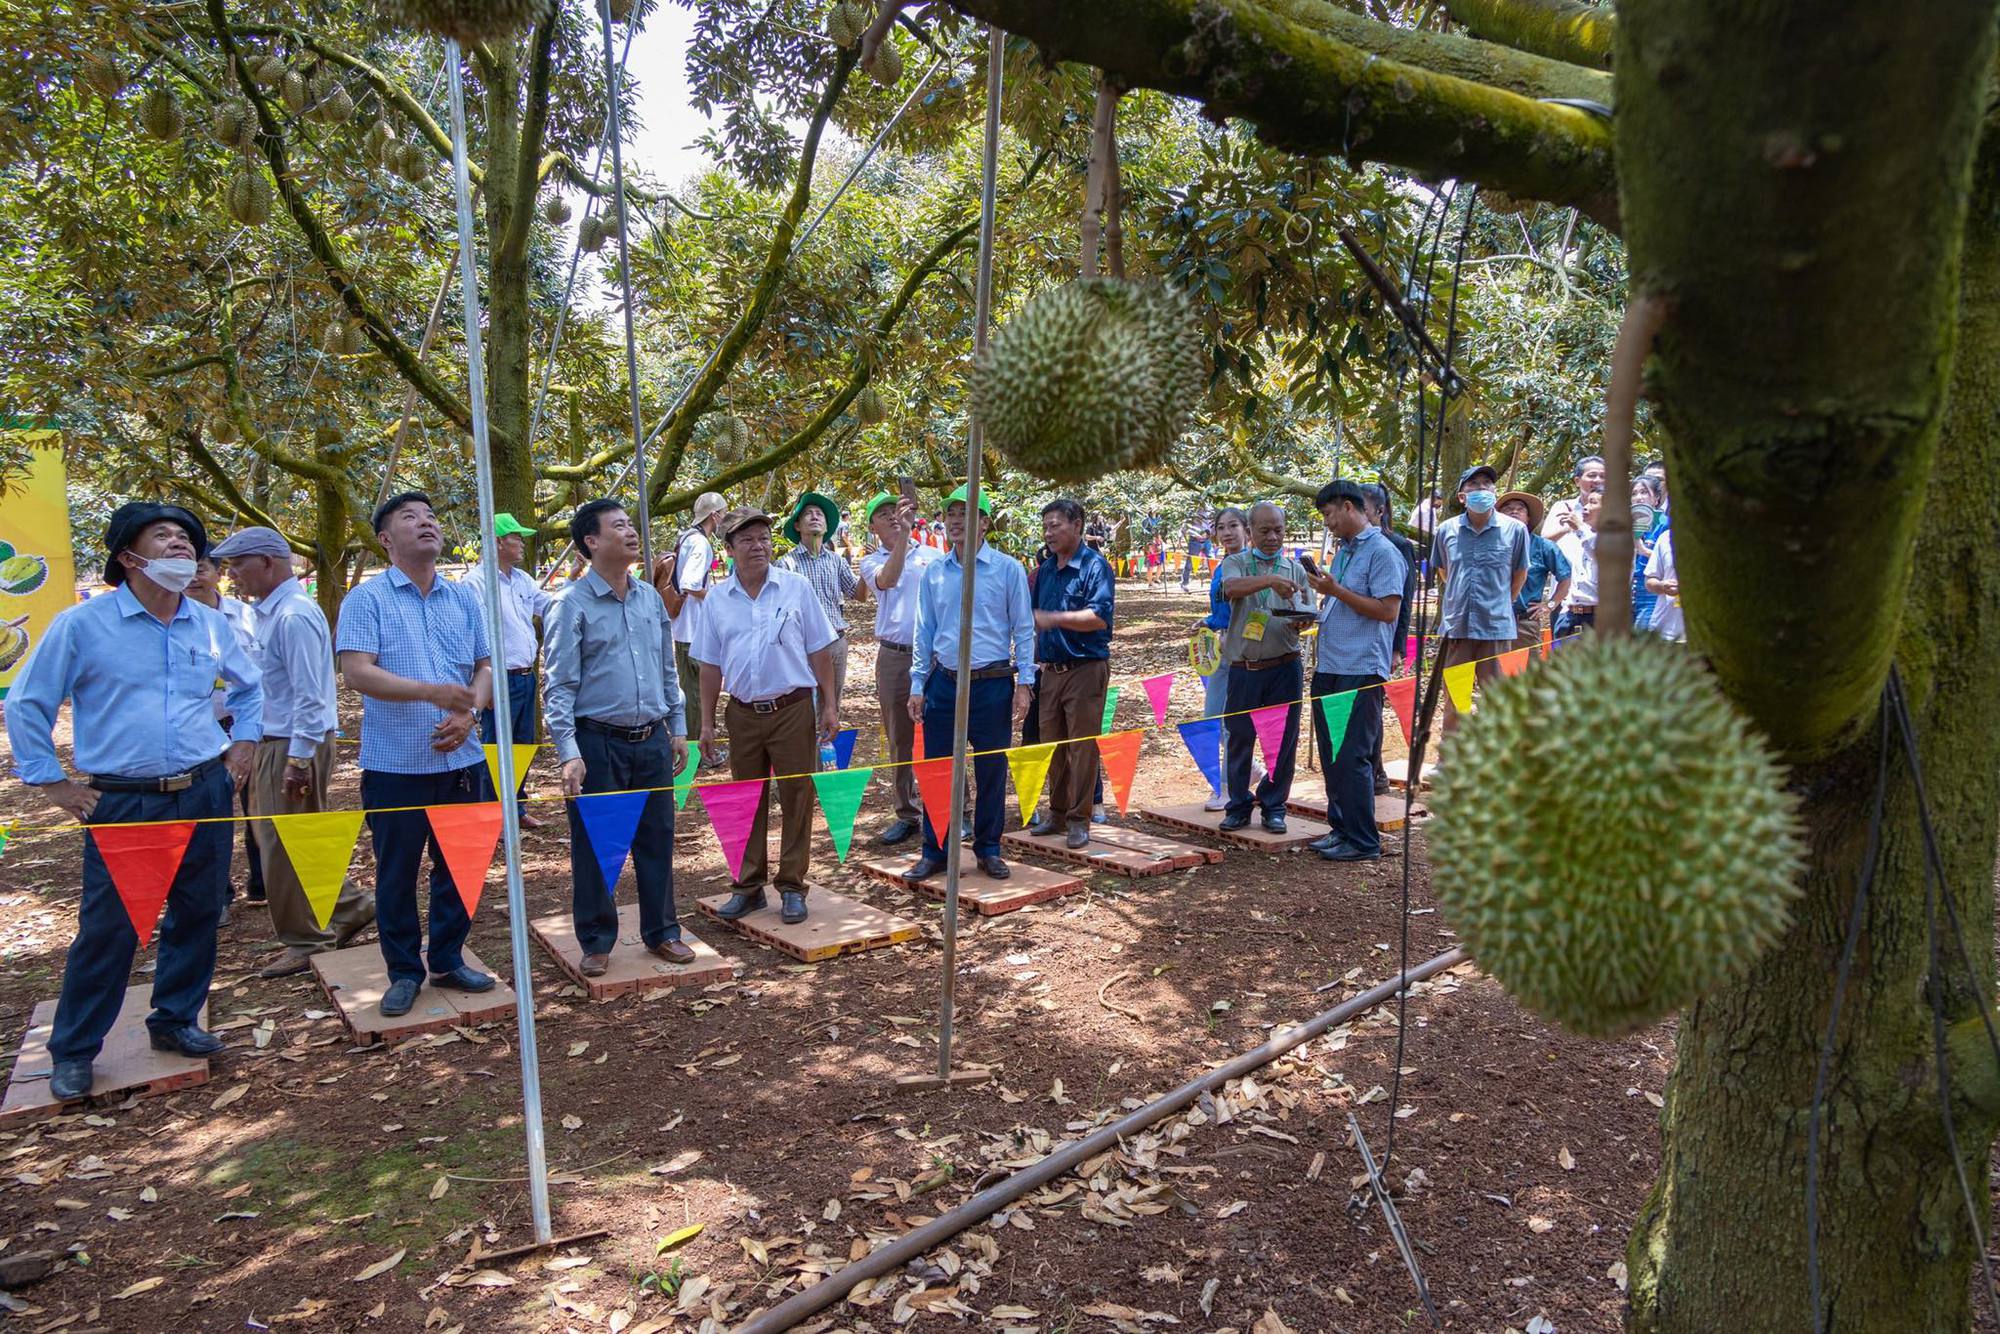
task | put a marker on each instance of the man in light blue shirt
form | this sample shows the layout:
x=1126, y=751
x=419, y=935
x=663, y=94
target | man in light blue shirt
x=137, y=667
x=1003, y=652
x=414, y=645
x=618, y=724
x=1482, y=561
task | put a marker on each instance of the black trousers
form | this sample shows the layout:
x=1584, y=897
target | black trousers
x=401, y=837
x=1252, y=690
x=613, y=764
x=1348, y=760
x=989, y=727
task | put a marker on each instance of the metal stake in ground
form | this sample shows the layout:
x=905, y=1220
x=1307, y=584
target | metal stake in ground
x=612, y=132
x=510, y=811
x=1395, y=1219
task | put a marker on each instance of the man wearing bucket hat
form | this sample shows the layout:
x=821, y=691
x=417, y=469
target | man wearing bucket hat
x=683, y=577
x=137, y=667
x=1534, y=605
x=522, y=600
x=815, y=519
x=892, y=576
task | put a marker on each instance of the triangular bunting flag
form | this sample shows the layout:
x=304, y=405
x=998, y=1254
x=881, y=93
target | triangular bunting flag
x=934, y=784
x=1337, y=709
x=320, y=844
x=843, y=746
x=1031, y=774
x=1458, y=683
x=917, y=741
x=840, y=801
x=732, y=809
x=1160, y=691
x=524, y=754
x=1270, y=724
x=1514, y=663
x=467, y=833
x=684, y=780
x=1110, y=707
x=1203, y=738
x=611, y=819
x=143, y=860
x=1402, y=696
x=1548, y=641
x=1120, y=754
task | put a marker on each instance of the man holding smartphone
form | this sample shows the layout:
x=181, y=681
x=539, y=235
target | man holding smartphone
x=892, y=575
x=1268, y=602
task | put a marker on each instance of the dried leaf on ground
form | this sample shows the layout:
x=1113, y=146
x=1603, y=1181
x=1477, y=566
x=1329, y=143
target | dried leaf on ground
x=233, y=1095
x=142, y=1286
x=381, y=1267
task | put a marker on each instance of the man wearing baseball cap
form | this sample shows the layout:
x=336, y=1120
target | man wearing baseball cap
x=892, y=576
x=1482, y=564
x=522, y=600
x=683, y=577
x=137, y=667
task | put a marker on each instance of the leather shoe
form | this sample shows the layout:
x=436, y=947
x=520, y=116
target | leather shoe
x=1044, y=829
x=400, y=997
x=995, y=868
x=1347, y=852
x=594, y=965
x=1324, y=841
x=791, y=906
x=899, y=832
x=674, y=951
x=293, y=961
x=462, y=978
x=1232, y=822
x=741, y=904
x=70, y=1080
x=923, y=869
x=1274, y=822
x=1078, y=836
x=187, y=1039
x=349, y=932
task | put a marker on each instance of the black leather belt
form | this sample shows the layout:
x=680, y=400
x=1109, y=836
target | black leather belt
x=773, y=705
x=1067, y=665
x=613, y=730
x=991, y=672
x=170, y=783
x=893, y=648
x=1266, y=664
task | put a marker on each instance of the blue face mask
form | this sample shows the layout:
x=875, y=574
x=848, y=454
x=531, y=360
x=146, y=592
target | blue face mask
x=1479, y=502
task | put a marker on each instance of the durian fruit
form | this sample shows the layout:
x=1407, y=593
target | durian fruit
x=13, y=641
x=221, y=427
x=413, y=163
x=1611, y=883
x=556, y=210
x=868, y=405
x=1096, y=376
x=739, y=436
x=887, y=66
x=99, y=69
x=295, y=92
x=344, y=339
x=270, y=70
x=845, y=23
x=467, y=21
x=248, y=199
x=591, y=234
x=160, y=115
x=623, y=10
x=234, y=126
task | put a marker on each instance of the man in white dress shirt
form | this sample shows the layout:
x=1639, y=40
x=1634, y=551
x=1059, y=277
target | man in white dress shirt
x=207, y=590
x=892, y=576
x=521, y=601
x=692, y=578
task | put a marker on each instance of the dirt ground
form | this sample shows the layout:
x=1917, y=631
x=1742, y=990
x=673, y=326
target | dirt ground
x=326, y=1187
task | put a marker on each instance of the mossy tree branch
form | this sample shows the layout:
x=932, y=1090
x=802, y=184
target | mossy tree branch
x=1498, y=66
x=1559, y=29
x=534, y=124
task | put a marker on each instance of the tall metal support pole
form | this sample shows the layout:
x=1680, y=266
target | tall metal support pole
x=961, y=712
x=510, y=811
x=613, y=131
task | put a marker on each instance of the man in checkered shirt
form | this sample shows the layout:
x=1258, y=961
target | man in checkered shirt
x=814, y=520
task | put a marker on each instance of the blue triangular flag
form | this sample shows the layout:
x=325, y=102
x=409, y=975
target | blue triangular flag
x=843, y=746
x=1203, y=738
x=610, y=819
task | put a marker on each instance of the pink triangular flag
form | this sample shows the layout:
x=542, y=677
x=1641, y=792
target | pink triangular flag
x=1160, y=690
x=732, y=809
x=1270, y=724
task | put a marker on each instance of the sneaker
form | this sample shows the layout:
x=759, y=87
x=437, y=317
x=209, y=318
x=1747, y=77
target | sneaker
x=1216, y=803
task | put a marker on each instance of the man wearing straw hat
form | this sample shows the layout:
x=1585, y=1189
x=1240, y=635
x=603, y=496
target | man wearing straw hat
x=815, y=519
x=1533, y=605
x=137, y=667
x=892, y=576
x=522, y=600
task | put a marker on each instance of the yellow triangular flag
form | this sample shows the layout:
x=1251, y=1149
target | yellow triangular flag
x=320, y=845
x=1031, y=773
x=524, y=754
x=1458, y=680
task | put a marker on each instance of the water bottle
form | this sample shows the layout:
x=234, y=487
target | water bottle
x=827, y=759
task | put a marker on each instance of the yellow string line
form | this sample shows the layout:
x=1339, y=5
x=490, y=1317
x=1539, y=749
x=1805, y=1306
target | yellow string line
x=14, y=829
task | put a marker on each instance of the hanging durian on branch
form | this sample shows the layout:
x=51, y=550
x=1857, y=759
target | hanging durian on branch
x=591, y=234
x=845, y=23
x=248, y=198
x=868, y=405
x=468, y=21
x=886, y=68
x=233, y=126
x=160, y=115
x=556, y=210
x=99, y=69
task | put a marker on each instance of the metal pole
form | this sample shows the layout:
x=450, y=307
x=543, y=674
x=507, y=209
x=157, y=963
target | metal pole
x=888, y=1259
x=962, y=706
x=611, y=130
x=510, y=811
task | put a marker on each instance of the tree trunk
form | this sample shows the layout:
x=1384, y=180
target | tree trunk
x=330, y=539
x=509, y=321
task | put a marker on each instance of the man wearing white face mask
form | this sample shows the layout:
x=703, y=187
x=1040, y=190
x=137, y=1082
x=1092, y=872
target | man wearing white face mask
x=137, y=667
x=1482, y=563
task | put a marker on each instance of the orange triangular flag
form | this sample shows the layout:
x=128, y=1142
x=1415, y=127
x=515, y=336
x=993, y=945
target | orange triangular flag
x=1402, y=696
x=1120, y=753
x=143, y=860
x=934, y=784
x=467, y=833
x=1548, y=641
x=1514, y=663
x=916, y=742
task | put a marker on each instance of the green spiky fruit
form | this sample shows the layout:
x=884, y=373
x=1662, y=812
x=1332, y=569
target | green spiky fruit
x=468, y=21
x=270, y=70
x=591, y=234
x=887, y=66
x=294, y=92
x=248, y=199
x=868, y=405
x=1096, y=376
x=160, y=115
x=739, y=436
x=233, y=126
x=344, y=339
x=556, y=210
x=1610, y=880
x=100, y=70
x=413, y=163
x=845, y=23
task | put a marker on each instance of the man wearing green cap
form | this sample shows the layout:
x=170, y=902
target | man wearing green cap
x=815, y=519
x=892, y=576
x=521, y=601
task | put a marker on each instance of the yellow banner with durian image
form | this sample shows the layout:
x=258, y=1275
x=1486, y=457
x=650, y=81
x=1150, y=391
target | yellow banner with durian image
x=37, y=573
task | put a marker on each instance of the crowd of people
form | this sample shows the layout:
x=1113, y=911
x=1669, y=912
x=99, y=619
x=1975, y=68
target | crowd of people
x=189, y=705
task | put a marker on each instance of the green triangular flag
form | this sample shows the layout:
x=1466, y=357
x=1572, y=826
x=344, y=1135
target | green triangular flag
x=1110, y=707
x=684, y=780
x=839, y=801
x=1337, y=709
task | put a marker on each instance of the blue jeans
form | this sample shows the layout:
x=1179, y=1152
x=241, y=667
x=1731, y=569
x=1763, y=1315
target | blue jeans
x=1348, y=761
x=400, y=838
x=613, y=764
x=989, y=726
x=100, y=958
x=520, y=712
x=1215, y=703
x=1252, y=690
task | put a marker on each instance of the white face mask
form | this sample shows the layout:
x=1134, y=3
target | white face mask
x=173, y=573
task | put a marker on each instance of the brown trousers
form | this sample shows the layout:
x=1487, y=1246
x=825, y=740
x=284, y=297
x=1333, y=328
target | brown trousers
x=892, y=692
x=292, y=918
x=1531, y=626
x=1485, y=653
x=1073, y=706
x=762, y=744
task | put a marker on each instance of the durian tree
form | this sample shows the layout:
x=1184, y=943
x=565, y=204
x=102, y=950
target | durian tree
x=1811, y=195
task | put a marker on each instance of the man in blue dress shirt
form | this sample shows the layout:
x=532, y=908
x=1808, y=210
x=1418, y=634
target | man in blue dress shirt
x=1482, y=564
x=1003, y=655
x=616, y=719
x=138, y=667
x=414, y=645
x=1074, y=594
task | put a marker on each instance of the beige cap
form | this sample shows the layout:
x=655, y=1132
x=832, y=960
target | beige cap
x=709, y=502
